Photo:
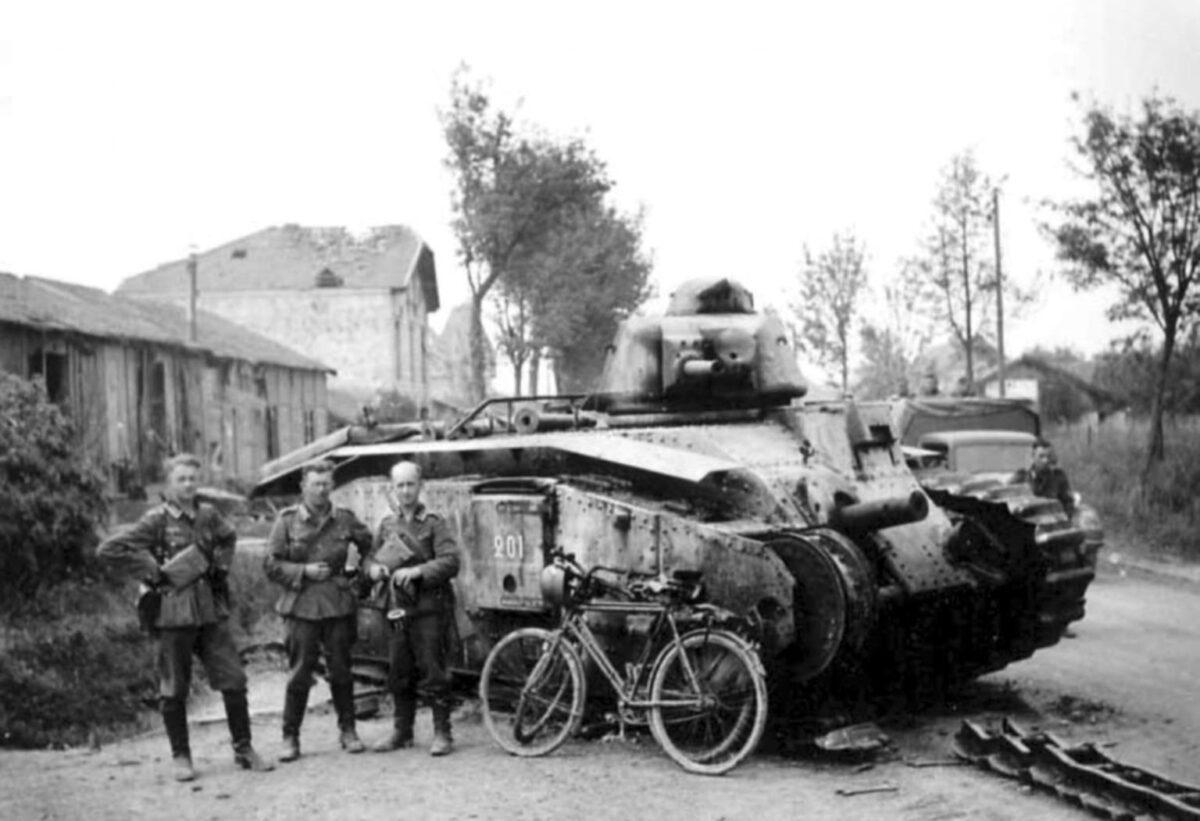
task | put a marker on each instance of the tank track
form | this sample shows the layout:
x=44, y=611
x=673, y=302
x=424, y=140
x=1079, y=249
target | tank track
x=1079, y=774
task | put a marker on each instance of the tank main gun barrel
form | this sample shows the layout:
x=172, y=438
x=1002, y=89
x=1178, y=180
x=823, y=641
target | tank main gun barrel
x=880, y=513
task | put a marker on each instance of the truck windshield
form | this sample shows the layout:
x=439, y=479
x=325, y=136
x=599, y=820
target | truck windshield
x=989, y=457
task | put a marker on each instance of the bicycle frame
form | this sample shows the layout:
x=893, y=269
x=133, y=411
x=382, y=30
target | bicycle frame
x=626, y=687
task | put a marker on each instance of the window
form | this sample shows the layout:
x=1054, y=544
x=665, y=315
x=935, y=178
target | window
x=52, y=368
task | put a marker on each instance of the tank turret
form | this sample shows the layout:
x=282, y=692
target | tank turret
x=710, y=350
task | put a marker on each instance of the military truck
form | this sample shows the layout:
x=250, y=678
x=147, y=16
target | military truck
x=981, y=446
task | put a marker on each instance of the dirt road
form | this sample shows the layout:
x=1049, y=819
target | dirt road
x=1126, y=680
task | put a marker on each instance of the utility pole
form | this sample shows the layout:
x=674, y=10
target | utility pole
x=999, y=289
x=191, y=312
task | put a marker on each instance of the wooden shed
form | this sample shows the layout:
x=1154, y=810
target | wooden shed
x=142, y=381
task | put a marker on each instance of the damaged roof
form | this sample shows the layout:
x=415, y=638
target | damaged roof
x=295, y=257
x=61, y=306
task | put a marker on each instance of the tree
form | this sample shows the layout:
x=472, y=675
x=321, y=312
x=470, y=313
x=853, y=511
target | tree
x=50, y=500
x=511, y=192
x=595, y=274
x=892, y=344
x=956, y=256
x=827, y=305
x=1140, y=229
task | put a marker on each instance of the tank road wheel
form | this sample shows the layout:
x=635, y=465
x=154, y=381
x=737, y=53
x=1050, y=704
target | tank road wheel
x=532, y=691
x=834, y=599
x=710, y=697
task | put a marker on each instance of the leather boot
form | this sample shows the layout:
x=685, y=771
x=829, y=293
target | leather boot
x=402, y=729
x=295, y=702
x=443, y=743
x=237, y=714
x=174, y=713
x=343, y=705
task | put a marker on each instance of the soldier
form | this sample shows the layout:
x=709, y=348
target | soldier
x=415, y=554
x=308, y=554
x=1047, y=479
x=182, y=550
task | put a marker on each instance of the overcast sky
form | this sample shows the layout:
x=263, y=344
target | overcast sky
x=132, y=131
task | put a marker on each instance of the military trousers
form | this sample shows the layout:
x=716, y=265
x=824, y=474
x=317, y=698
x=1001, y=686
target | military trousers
x=309, y=639
x=417, y=658
x=213, y=643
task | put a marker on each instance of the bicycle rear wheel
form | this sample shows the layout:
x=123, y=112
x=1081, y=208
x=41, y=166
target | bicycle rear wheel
x=532, y=691
x=711, y=697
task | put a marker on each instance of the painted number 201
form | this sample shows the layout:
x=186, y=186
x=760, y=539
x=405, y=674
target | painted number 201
x=509, y=547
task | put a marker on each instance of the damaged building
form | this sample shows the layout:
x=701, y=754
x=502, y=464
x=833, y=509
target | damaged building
x=359, y=302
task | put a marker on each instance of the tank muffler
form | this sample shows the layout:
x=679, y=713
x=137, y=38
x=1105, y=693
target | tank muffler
x=880, y=513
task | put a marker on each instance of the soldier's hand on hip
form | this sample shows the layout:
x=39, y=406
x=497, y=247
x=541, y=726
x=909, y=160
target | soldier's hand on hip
x=317, y=571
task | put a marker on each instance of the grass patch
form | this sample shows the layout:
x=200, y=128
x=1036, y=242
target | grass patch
x=1159, y=518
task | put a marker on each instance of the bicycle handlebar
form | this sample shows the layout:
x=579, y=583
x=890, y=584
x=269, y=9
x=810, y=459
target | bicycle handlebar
x=634, y=585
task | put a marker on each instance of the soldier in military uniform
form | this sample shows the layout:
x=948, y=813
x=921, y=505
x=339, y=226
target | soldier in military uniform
x=182, y=550
x=309, y=556
x=417, y=557
x=1047, y=479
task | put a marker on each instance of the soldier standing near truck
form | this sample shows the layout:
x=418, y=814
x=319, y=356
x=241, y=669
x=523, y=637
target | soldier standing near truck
x=182, y=550
x=415, y=555
x=1047, y=479
x=308, y=555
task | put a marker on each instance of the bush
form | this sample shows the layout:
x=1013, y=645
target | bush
x=74, y=663
x=50, y=499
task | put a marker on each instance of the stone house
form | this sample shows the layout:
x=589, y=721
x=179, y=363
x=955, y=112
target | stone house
x=357, y=302
x=140, y=383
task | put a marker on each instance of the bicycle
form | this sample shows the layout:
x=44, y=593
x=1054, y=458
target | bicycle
x=702, y=691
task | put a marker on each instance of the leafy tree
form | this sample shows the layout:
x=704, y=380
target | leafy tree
x=956, y=256
x=575, y=289
x=612, y=278
x=50, y=500
x=511, y=192
x=828, y=302
x=1140, y=229
x=892, y=345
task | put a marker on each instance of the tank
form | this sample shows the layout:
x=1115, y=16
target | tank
x=702, y=452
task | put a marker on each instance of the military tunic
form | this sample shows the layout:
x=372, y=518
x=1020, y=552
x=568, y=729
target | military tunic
x=1050, y=482
x=302, y=537
x=189, y=551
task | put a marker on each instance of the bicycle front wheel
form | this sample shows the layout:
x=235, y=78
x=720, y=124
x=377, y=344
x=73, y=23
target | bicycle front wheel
x=710, y=701
x=532, y=691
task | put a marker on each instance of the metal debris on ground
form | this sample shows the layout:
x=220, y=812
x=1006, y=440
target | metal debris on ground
x=1079, y=774
x=846, y=792
x=861, y=738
